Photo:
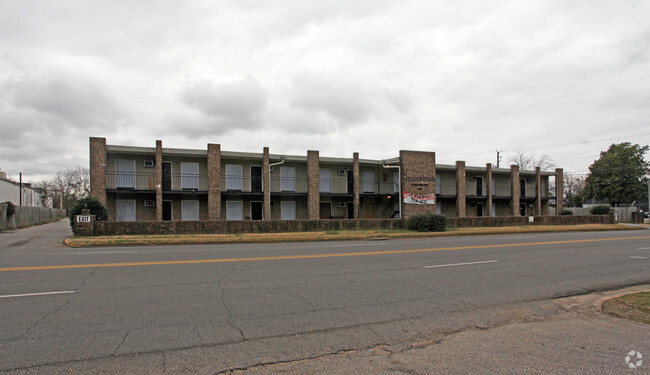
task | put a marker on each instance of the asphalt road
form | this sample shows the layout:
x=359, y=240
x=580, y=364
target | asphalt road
x=214, y=308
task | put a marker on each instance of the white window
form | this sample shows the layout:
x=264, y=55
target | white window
x=125, y=210
x=288, y=210
x=190, y=175
x=287, y=179
x=396, y=183
x=368, y=181
x=125, y=173
x=234, y=210
x=325, y=176
x=234, y=173
x=438, y=187
x=190, y=210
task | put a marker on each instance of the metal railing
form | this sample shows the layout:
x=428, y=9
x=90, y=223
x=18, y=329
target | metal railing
x=446, y=189
x=241, y=184
x=130, y=180
x=179, y=182
x=289, y=185
x=335, y=186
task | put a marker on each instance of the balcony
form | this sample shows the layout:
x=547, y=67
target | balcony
x=289, y=185
x=239, y=184
x=130, y=181
x=185, y=182
x=335, y=186
x=378, y=187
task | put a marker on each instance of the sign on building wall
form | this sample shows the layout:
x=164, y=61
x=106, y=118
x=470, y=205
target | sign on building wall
x=411, y=198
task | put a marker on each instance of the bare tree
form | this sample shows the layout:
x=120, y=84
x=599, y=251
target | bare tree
x=574, y=185
x=66, y=187
x=528, y=160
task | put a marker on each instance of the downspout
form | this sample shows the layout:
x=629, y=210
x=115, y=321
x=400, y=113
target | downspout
x=399, y=172
x=272, y=164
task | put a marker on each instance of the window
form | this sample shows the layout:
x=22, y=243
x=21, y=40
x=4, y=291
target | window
x=234, y=174
x=325, y=178
x=368, y=181
x=234, y=210
x=125, y=210
x=190, y=210
x=125, y=174
x=288, y=210
x=190, y=176
x=288, y=179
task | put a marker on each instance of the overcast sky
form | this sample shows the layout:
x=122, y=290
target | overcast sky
x=461, y=78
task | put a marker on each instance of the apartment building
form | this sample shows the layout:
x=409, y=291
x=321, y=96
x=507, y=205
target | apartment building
x=159, y=184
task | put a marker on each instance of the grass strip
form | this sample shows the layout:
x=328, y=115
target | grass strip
x=634, y=306
x=342, y=235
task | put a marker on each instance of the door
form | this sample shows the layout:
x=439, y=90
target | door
x=256, y=210
x=190, y=210
x=350, y=207
x=368, y=181
x=234, y=177
x=287, y=179
x=125, y=176
x=522, y=187
x=256, y=179
x=350, y=182
x=167, y=211
x=234, y=210
x=125, y=210
x=479, y=187
x=522, y=209
x=166, y=175
x=325, y=210
x=325, y=180
x=288, y=210
x=479, y=209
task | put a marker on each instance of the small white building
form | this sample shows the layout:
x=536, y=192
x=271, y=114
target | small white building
x=11, y=191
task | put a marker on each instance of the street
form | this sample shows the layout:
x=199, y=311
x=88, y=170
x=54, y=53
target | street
x=215, y=308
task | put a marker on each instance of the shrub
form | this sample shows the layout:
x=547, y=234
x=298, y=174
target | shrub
x=602, y=209
x=11, y=209
x=94, y=205
x=428, y=223
x=566, y=212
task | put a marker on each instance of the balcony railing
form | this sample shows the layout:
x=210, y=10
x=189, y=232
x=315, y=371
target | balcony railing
x=446, y=189
x=336, y=186
x=130, y=180
x=289, y=185
x=185, y=182
x=501, y=191
x=241, y=184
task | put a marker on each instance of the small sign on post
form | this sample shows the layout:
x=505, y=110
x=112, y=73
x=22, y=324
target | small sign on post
x=83, y=218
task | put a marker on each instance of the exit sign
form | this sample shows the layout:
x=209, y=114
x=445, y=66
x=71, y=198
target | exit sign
x=83, y=219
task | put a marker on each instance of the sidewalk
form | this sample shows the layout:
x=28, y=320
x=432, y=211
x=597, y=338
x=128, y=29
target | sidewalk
x=45, y=236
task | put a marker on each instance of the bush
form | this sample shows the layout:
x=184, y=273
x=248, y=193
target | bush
x=602, y=209
x=95, y=206
x=11, y=209
x=428, y=223
x=566, y=212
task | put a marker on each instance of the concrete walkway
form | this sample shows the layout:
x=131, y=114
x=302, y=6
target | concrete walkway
x=45, y=236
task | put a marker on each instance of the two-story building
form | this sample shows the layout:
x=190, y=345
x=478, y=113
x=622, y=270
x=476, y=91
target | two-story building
x=159, y=184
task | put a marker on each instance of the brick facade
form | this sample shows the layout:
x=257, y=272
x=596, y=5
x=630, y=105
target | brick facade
x=418, y=177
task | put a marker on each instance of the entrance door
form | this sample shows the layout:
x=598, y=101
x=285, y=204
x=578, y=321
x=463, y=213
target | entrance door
x=479, y=187
x=256, y=210
x=167, y=211
x=350, y=206
x=522, y=209
x=166, y=175
x=256, y=179
x=350, y=182
x=479, y=209
x=325, y=210
x=522, y=187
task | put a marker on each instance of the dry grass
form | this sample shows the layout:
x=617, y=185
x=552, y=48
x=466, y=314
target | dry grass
x=632, y=306
x=177, y=239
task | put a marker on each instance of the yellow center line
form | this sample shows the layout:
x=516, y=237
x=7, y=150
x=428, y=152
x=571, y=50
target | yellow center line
x=289, y=257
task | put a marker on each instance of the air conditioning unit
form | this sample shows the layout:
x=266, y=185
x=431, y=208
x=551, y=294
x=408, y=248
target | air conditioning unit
x=529, y=180
x=341, y=204
x=473, y=178
x=149, y=203
x=148, y=163
x=340, y=171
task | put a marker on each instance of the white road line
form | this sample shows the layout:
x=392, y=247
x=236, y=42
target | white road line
x=637, y=257
x=516, y=237
x=37, y=294
x=644, y=248
x=461, y=264
x=99, y=252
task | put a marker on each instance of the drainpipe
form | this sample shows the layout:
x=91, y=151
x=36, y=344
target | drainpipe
x=271, y=165
x=399, y=172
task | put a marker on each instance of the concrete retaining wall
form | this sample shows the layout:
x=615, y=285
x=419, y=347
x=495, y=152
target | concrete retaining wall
x=624, y=213
x=27, y=216
x=108, y=228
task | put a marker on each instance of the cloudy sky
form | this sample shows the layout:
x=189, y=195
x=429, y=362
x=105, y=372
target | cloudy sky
x=461, y=78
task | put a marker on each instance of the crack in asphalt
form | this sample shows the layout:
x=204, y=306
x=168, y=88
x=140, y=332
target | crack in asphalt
x=223, y=302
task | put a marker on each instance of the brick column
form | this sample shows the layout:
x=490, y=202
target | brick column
x=159, y=191
x=313, y=185
x=559, y=190
x=266, y=185
x=488, y=186
x=538, y=191
x=461, y=209
x=98, y=169
x=515, y=192
x=418, y=177
x=355, y=174
x=214, y=181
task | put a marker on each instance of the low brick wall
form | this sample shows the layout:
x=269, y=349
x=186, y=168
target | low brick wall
x=108, y=228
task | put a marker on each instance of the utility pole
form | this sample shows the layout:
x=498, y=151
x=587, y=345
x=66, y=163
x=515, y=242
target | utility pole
x=20, y=189
x=498, y=158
